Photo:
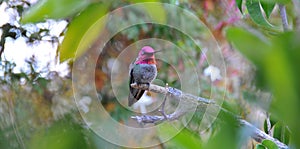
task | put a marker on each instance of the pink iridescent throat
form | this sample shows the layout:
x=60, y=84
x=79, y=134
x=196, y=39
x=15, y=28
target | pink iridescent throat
x=150, y=60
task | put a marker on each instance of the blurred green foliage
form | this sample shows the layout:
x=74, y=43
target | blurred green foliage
x=277, y=64
x=63, y=134
x=186, y=139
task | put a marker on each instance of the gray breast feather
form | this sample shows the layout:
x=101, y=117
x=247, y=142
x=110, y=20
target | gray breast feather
x=144, y=73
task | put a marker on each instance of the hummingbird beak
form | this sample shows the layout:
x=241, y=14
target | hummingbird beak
x=150, y=53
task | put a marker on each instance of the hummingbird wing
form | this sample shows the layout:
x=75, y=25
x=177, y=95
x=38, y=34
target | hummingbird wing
x=134, y=94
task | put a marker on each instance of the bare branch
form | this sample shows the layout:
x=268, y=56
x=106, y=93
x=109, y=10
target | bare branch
x=296, y=4
x=259, y=135
x=256, y=133
x=173, y=92
x=283, y=17
x=158, y=118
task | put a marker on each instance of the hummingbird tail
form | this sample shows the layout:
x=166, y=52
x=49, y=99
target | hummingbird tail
x=134, y=95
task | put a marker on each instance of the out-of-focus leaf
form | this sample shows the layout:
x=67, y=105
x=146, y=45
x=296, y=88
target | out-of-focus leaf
x=239, y=4
x=249, y=44
x=255, y=13
x=266, y=126
x=97, y=142
x=283, y=1
x=63, y=134
x=184, y=139
x=278, y=63
x=156, y=12
x=267, y=7
x=287, y=134
x=53, y=9
x=281, y=133
x=269, y=144
x=227, y=132
x=278, y=131
x=285, y=83
x=260, y=146
x=276, y=1
x=83, y=31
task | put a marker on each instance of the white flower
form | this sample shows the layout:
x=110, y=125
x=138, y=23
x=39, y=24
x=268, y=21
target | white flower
x=84, y=103
x=213, y=72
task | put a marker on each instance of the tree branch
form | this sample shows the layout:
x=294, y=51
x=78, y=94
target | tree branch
x=259, y=135
x=256, y=133
x=283, y=17
x=173, y=92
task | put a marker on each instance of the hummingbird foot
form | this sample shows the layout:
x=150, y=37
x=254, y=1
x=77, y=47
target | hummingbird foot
x=148, y=85
x=140, y=85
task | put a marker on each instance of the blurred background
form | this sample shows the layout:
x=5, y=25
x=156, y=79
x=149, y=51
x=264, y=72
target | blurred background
x=254, y=71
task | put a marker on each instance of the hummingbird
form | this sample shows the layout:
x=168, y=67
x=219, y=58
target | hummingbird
x=142, y=71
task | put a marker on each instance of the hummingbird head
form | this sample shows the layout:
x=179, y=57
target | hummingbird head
x=146, y=56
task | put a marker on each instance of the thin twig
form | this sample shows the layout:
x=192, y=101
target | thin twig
x=256, y=133
x=296, y=4
x=283, y=17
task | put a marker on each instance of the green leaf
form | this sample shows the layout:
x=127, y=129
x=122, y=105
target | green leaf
x=255, y=13
x=83, y=31
x=183, y=139
x=239, y=4
x=286, y=136
x=278, y=131
x=281, y=133
x=276, y=1
x=283, y=1
x=278, y=61
x=267, y=7
x=269, y=144
x=260, y=146
x=266, y=126
x=53, y=9
x=272, y=122
x=284, y=83
x=248, y=43
x=251, y=45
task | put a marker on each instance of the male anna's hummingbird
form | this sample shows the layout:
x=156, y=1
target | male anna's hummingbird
x=142, y=71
